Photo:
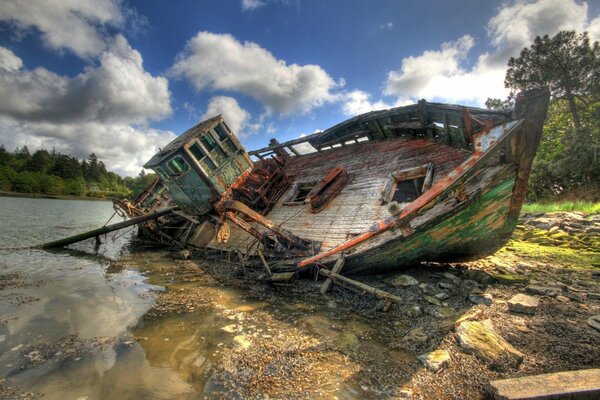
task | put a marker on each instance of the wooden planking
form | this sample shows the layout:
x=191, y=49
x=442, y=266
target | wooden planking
x=481, y=224
x=357, y=206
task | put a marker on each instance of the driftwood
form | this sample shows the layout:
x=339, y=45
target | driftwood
x=105, y=229
x=339, y=264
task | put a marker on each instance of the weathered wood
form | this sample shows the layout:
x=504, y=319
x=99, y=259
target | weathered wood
x=410, y=173
x=339, y=264
x=364, y=287
x=105, y=229
x=579, y=385
x=264, y=261
x=428, y=181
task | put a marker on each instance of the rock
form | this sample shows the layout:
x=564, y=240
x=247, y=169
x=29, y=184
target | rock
x=414, y=311
x=522, y=303
x=242, y=341
x=433, y=300
x=583, y=384
x=510, y=278
x=229, y=328
x=542, y=290
x=469, y=284
x=484, y=298
x=593, y=296
x=594, y=322
x=480, y=339
x=416, y=336
x=579, y=297
x=442, y=295
x=446, y=285
x=453, y=278
x=562, y=299
x=435, y=360
x=426, y=288
x=404, y=280
x=478, y=276
x=331, y=304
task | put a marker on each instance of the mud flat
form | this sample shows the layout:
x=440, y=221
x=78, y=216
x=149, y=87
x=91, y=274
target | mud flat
x=222, y=332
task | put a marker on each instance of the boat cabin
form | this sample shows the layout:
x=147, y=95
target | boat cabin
x=198, y=165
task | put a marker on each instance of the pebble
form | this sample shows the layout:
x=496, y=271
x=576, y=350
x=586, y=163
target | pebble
x=452, y=278
x=433, y=300
x=435, y=360
x=442, y=295
x=594, y=322
x=593, y=296
x=484, y=298
x=404, y=280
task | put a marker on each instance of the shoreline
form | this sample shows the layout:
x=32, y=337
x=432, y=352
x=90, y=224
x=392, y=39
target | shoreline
x=51, y=197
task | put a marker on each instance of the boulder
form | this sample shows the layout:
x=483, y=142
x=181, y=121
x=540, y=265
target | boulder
x=522, y=303
x=435, y=360
x=480, y=339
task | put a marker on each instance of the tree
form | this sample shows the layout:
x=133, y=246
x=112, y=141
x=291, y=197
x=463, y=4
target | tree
x=39, y=162
x=567, y=62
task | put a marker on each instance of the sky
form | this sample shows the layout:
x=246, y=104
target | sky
x=121, y=78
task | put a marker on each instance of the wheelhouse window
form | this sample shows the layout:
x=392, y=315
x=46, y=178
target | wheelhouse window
x=213, y=148
x=178, y=166
x=205, y=162
x=162, y=174
x=225, y=139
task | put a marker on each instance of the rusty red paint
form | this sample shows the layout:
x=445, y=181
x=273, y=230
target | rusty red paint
x=428, y=198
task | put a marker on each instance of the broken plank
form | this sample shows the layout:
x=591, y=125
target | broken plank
x=364, y=287
x=582, y=384
x=339, y=264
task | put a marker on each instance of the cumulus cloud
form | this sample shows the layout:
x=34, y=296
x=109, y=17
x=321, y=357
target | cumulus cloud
x=357, y=102
x=235, y=116
x=104, y=109
x=124, y=148
x=249, y=5
x=66, y=24
x=119, y=89
x=442, y=74
x=221, y=62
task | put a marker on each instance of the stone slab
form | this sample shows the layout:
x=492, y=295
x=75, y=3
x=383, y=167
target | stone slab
x=572, y=385
x=522, y=303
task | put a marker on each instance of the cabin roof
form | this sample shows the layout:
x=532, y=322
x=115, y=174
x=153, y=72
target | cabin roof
x=181, y=140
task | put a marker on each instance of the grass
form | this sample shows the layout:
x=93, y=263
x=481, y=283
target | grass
x=586, y=207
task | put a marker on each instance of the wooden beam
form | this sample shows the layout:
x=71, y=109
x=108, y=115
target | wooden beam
x=265, y=263
x=339, y=264
x=365, y=288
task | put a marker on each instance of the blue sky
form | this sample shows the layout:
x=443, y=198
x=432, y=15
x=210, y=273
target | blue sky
x=121, y=78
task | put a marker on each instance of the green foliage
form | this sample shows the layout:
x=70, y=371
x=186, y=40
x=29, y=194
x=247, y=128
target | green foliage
x=139, y=183
x=569, y=154
x=56, y=174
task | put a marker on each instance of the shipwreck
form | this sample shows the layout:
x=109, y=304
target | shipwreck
x=382, y=190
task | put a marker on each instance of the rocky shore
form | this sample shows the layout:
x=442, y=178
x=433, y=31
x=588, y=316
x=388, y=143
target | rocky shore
x=532, y=308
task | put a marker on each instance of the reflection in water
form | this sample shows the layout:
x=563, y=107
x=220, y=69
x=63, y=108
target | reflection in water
x=170, y=356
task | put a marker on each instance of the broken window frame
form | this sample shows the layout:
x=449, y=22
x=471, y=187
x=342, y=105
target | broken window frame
x=176, y=170
x=291, y=199
x=206, y=163
x=415, y=174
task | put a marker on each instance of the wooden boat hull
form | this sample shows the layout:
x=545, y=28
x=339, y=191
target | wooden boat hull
x=473, y=182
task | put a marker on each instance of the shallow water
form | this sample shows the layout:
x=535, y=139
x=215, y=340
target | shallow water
x=166, y=357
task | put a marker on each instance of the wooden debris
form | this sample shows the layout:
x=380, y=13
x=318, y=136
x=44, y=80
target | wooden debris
x=339, y=264
x=580, y=385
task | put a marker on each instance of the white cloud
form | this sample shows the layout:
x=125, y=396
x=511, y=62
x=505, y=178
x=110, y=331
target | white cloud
x=119, y=89
x=249, y=5
x=357, y=102
x=442, y=74
x=219, y=61
x=66, y=24
x=235, y=116
x=102, y=110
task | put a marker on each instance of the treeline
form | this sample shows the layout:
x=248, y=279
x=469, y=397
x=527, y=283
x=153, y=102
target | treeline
x=567, y=164
x=56, y=174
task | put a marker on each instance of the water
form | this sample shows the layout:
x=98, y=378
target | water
x=122, y=352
